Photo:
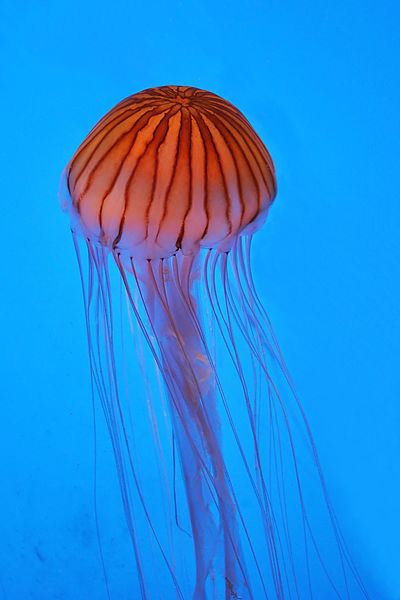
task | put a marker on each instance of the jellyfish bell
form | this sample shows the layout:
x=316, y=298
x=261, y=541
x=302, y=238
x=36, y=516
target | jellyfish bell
x=171, y=184
x=167, y=169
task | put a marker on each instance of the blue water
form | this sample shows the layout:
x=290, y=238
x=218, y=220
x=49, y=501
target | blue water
x=320, y=82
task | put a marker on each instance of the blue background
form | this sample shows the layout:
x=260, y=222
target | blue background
x=320, y=82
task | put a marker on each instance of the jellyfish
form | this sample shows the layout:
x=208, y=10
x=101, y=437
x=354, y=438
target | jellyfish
x=164, y=196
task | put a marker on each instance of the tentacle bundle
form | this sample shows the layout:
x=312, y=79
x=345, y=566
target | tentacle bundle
x=236, y=503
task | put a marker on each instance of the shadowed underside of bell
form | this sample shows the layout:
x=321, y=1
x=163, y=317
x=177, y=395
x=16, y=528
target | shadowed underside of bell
x=169, y=168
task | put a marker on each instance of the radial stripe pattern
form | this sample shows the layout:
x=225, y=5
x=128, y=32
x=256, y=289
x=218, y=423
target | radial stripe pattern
x=166, y=169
